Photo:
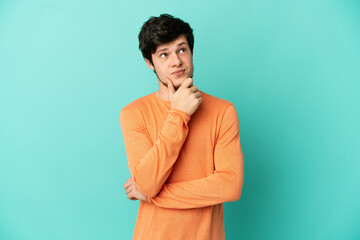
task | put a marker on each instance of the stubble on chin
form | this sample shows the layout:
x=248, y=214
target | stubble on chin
x=166, y=85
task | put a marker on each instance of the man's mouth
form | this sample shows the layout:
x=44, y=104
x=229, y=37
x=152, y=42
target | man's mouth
x=178, y=72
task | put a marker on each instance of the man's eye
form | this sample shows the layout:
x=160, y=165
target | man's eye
x=163, y=55
x=182, y=50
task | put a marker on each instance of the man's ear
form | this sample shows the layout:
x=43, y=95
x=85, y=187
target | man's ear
x=149, y=64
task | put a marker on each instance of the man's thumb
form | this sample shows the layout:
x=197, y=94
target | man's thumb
x=170, y=86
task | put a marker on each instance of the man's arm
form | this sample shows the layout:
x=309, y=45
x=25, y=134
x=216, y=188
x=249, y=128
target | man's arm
x=224, y=185
x=150, y=164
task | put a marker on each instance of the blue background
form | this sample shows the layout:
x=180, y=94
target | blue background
x=292, y=69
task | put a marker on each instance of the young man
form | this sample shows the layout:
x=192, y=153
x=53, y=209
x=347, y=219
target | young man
x=183, y=145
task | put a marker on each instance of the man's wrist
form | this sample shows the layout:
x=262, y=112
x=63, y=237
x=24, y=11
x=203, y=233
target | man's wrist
x=148, y=199
x=185, y=116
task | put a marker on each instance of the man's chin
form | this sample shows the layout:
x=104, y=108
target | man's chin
x=177, y=82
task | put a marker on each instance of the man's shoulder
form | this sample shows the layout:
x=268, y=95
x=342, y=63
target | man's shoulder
x=138, y=104
x=137, y=109
x=218, y=109
x=215, y=103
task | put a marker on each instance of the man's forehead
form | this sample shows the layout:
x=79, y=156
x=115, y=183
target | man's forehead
x=176, y=42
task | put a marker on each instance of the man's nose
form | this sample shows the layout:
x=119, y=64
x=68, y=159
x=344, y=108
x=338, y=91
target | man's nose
x=176, y=60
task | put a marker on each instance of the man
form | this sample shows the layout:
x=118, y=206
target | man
x=183, y=145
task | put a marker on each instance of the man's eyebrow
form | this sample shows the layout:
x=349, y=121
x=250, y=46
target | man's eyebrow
x=165, y=49
x=182, y=43
x=160, y=50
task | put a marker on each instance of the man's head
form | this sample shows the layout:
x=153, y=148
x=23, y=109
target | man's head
x=167, y=45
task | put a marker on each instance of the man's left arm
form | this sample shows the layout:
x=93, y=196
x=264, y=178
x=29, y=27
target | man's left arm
x=224, y=185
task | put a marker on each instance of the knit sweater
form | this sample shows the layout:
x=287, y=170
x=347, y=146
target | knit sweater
x=187, y=166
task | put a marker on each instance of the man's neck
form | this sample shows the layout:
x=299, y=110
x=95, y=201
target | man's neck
x=163, y=92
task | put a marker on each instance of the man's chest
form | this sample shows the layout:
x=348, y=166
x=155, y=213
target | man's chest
x=196, y=157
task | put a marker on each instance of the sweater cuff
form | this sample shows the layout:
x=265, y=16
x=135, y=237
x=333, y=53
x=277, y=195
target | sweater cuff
x=184, y=116
x=148, y=200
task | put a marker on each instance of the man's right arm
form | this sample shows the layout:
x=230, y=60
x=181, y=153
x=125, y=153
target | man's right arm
x=150, y=163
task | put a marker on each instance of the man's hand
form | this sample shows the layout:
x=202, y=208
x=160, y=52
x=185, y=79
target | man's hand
x=187, y=98
x=132, y=191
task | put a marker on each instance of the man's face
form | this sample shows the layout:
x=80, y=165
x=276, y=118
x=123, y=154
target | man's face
x=172, y=60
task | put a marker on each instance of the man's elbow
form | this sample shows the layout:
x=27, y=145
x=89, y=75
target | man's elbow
x=236, y=196
x=235, y=192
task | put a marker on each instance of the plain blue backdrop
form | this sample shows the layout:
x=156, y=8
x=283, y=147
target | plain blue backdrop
x=291, y=68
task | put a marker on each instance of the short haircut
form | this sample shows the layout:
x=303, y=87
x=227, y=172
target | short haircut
x=160, y=30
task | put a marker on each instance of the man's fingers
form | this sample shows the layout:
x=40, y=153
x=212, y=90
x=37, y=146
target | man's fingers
x=186, y=84
x=128, y=182
x=170, y=86
x=128, y=190
x=197, y=94
x=193, y=89
x=131, y=197
x=132, y=194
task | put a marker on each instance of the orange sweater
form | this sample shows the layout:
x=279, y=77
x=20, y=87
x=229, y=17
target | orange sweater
x=186, y=166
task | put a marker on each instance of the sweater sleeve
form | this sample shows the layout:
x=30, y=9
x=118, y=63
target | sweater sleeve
x=150, y=163
x=224, y=185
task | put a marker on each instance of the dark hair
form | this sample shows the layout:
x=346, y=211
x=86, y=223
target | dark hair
x=160, y=30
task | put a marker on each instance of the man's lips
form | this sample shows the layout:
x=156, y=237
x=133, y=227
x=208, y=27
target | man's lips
x=178, y=72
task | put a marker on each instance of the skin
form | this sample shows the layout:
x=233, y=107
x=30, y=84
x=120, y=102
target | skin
x=132, y=191
x=173, y=65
